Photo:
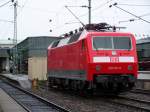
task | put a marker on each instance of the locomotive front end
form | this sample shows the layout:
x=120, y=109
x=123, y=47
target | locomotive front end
x=113, y=61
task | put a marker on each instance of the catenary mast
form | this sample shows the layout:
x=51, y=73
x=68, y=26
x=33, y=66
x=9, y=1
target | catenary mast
x=15, y=52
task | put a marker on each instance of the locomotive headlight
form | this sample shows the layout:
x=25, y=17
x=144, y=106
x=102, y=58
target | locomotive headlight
x=98, y=67
x=130, y=67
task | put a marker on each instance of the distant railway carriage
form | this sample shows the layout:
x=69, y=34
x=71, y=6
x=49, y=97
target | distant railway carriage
x=144, y=65
x=94, y=59
x=143, y=51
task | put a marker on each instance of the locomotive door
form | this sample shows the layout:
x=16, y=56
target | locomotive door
x=82, y=60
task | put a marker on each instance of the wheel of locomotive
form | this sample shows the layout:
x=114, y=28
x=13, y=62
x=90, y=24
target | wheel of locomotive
x=50, y=82
x=63, y=84
x=85, y=89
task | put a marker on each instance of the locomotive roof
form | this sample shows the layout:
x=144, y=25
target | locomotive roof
x=86, y=32
x=94, y=28
x=101, y=28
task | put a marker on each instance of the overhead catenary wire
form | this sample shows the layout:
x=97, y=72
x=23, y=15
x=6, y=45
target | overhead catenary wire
x=85, y=14
x=8, y=21
x=94, y=9
x=115, y=5
x=132, y=19
x=135, y=5
x=147, y=14
x=77, y=6
x=4, y=4
x=75, y=16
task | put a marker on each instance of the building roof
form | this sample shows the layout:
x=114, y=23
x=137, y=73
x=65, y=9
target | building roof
x=144, y=40
x=6, y=45
x=36, y=46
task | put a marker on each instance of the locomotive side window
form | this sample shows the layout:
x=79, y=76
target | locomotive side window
x=74, y=37
x=55, y=44
x=63, y=42
x=122, y=43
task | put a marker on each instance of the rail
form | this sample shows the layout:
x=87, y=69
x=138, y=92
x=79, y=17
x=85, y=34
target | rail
x=29, y=101
x=141, y=91
x=138, y=105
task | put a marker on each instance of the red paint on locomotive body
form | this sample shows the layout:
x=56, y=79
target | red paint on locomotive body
x=87, y=60
x=108, y=62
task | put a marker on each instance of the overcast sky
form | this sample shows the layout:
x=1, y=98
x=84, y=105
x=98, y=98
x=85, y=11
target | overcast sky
x=34, y=15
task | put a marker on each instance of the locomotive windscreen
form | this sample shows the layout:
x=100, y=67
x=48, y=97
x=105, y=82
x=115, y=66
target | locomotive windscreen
x=120, y=43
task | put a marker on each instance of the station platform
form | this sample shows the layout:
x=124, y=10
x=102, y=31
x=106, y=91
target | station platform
x=7, y=104
x=20, y=78
x=144, y=75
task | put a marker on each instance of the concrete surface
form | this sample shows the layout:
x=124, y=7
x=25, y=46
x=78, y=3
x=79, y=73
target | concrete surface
x=7, y=104
x=1, y=109
x=20, y=78
x=145, y=76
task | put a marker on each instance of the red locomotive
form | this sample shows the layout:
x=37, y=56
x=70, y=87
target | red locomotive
x=94, y=59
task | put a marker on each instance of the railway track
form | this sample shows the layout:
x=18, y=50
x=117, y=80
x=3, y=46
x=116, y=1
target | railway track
x=120, y=102
x=141, y=91
x=133, y=103
x=29, y=101
x=136, y=104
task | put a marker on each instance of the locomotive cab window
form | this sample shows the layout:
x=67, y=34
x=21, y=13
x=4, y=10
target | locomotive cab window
x=63, y=42
x=74, y=37
x=55, y=44
x=120, y=43
x=102, y=43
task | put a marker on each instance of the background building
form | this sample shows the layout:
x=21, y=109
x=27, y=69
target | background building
x=5, y=57
x=143, y=48
x=143, y=51
x=32, y=56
